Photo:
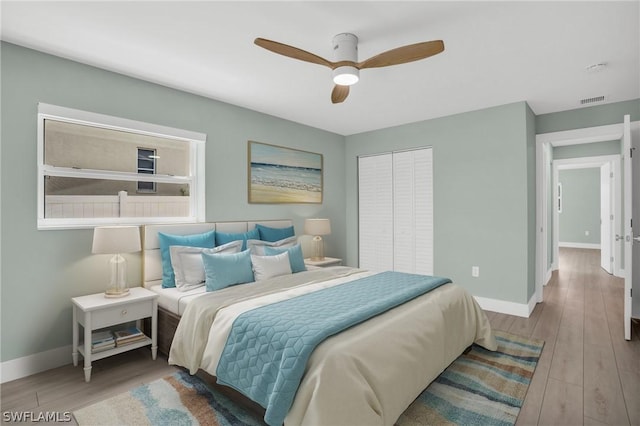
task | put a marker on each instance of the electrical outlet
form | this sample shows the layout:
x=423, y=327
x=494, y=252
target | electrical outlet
x=586, y=233
x=475, y=271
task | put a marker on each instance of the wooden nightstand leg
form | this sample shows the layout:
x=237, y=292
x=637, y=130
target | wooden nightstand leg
x=154, y=330
x=74, y=353
x=87, y=346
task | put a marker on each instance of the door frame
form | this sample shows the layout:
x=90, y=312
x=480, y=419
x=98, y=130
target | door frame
x=607, y=226
x=544, y=142
x=615, y=202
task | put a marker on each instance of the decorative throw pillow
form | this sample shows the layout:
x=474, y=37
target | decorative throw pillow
x=265, y=267
x=224, y=237
x=223, y=270
x=258, y=247
x=188, y=266
x=206, y=240
x=296, y=259
x=274, y=234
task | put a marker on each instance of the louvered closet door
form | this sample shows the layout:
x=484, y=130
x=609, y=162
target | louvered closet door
x=413, y=211
x=395, y=205
x=375, y=205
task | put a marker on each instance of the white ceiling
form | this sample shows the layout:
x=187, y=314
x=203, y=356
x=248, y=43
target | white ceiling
x=495, y=53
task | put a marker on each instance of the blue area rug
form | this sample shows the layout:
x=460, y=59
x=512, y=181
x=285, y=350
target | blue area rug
x=480, y=387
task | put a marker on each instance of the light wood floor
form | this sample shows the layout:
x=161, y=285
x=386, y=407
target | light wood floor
x=588, y=374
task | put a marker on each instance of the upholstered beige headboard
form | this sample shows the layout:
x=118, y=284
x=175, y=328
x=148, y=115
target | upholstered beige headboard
x=151, y=260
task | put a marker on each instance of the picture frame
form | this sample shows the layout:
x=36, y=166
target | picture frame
x=279, y=175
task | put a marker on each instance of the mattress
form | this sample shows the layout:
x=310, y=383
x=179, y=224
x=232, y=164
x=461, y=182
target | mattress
x=176, y=301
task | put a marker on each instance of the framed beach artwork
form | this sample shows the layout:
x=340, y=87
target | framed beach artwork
x=283, y=175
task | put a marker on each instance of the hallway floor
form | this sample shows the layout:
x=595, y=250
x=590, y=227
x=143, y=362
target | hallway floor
x=587, y=374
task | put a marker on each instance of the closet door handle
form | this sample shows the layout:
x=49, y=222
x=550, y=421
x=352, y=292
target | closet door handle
x=618, y=237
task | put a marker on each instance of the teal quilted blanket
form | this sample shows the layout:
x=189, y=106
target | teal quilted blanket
x=268, y=347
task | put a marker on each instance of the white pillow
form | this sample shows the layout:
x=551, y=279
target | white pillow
x=257, y=246
x=270, y=266
x=187, y=263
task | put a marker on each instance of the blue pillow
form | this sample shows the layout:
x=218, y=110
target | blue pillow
x=224, y=238
x=205, y=240
x=274, y=234
x=295, y=256
x=226, y=269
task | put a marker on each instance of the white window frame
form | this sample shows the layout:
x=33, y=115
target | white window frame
x=196, y=179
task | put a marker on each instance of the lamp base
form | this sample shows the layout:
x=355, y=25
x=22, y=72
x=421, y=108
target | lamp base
x=113, y=293
x=318, y=248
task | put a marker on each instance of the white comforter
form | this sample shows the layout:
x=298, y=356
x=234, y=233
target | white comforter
x=366, y=375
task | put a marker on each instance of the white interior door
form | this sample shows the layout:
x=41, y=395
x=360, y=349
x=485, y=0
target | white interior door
x=628, y=230
x=605, y=218
x=635, y=140
x=413, y=211
x=375, y=212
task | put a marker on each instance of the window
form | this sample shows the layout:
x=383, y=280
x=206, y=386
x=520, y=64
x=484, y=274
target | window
x=147, y=165
x=95, y=169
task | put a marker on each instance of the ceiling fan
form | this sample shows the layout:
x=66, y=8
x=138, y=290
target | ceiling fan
x=346, y=68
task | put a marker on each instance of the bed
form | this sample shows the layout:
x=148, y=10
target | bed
x=368, y=373
x=171, y=302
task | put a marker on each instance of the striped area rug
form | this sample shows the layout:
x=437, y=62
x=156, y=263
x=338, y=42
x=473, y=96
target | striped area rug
x=176, y=400
x=480, y=387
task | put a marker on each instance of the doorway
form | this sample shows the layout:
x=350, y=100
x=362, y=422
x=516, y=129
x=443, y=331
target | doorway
x=545, y=192
x=594, y=183
x=544, y=218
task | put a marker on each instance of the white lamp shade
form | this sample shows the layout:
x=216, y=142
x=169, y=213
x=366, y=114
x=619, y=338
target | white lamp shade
x=116, y=239
x=317, y=227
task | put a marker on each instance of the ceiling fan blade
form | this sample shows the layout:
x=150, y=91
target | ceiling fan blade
x=404, y=54
x=339, y=93
x=292, y=52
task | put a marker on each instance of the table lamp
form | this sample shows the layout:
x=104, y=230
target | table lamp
x=115, y=240
x=317, y=228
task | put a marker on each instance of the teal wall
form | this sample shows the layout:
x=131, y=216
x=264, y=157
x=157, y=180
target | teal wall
x=482, y=175
x=42, y=270
x=600, y=115
x=580, y=206
x=587, y=150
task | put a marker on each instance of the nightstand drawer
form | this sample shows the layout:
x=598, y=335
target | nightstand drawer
x=119, y=314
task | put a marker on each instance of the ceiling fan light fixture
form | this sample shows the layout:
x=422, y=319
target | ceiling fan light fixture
x=346, y=75
x=345, y=66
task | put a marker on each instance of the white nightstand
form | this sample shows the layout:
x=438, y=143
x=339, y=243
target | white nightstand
x=96, y=311
x=327, y=261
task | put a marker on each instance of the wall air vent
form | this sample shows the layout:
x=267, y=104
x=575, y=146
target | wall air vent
x=595, y=99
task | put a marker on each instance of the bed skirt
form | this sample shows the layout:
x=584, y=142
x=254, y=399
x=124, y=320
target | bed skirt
x=167, y=324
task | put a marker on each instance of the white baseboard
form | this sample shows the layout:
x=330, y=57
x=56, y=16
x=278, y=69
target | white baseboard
x=505, y=307
x=592, y=246
x=547, y=277
x=32, y=364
